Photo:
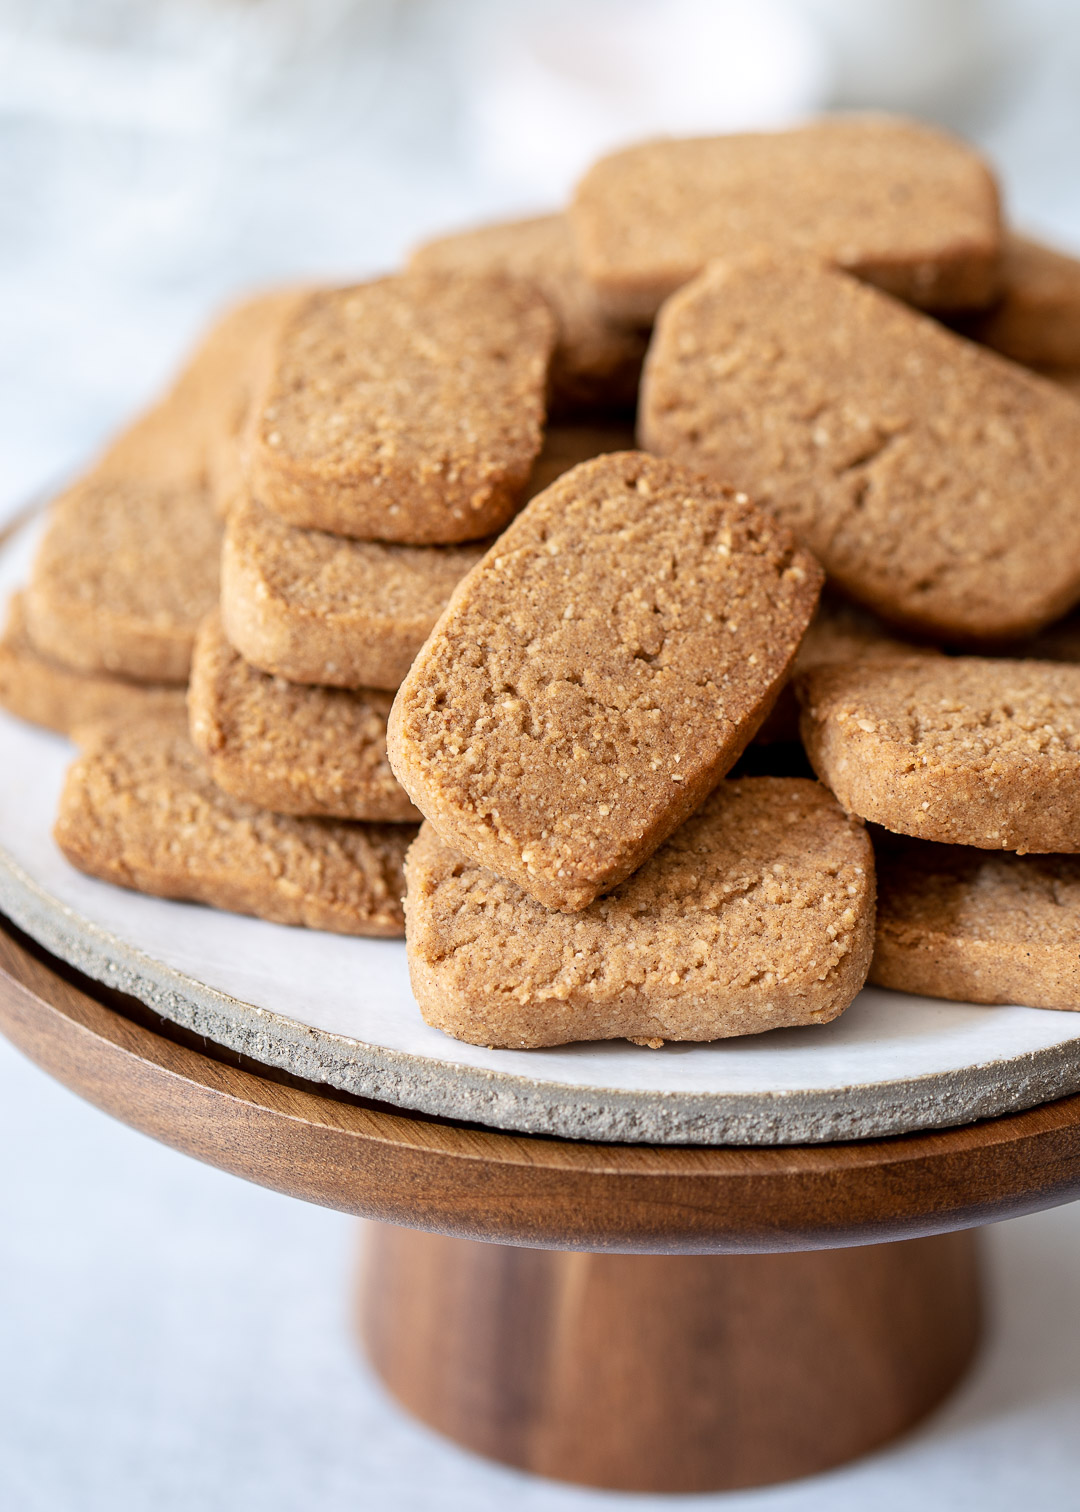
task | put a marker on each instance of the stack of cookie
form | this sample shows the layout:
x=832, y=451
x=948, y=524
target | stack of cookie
x=805, y=321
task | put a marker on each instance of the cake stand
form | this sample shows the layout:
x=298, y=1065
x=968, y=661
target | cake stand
x=640, y=1317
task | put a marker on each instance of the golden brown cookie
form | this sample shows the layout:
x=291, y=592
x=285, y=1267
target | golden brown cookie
x=900, y=204
x=963, y=750
x=409, y=409
x=44, y=692
x=318, y=608
x=839, y=632
x=595, y=676
x=955, y=922
x=140, y=809
x=1037, y=318
x=318, y=752
x=596, y=364
x=937, y=483
x=758, y=913
x=125, y=571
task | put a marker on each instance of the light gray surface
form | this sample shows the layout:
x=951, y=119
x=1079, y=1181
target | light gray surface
x=174, y=1340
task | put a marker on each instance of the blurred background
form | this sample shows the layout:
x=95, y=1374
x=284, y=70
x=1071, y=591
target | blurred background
x=170, y=1338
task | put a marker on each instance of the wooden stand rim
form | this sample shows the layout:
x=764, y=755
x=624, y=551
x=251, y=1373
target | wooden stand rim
x=524, y=1189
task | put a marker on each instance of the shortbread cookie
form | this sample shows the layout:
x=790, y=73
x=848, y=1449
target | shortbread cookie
x=937, y=483
x=139, y=808
x=317, y=608
x=598, y=672
x=758, y=913
x=596, y=363
x=899, y=204
x=1037, y=318
x=839, y=632
x=295, y=750
x=410, y=409
x=46, y=693
x=125, y=572
x=965, y=750
x=954, y=922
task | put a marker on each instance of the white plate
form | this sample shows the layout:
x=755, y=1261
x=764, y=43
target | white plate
x=340, y=1011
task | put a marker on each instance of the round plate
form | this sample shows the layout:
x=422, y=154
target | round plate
x=339, y=1010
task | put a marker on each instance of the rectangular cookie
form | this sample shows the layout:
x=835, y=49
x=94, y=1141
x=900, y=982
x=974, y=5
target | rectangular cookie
x=410, y=409
x=595, y=676
x=597, y=364
x=318, y=752
x=938, y=484
x=140, y=809
x=963, y=750
x=960, y=923
x=758, y=913
x=125, y=571
x=900, y=204
x=319, y=608
x=44, y=692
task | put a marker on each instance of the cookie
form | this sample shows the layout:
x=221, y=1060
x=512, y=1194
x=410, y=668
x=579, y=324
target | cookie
x=125, y=572
x=595, y=676
x=318, y=608
x=963, y=750
x=955, y=922
x=937, y=483
x=758, y=913
x=900, y=204
x=1037, y=318
x=294, y=750
x=409, y=409
x=140, y=809
x=597, y=364
x=46, y=693
x=839, y=632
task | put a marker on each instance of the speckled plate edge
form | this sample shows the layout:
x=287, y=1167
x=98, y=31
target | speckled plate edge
x=516, y=1103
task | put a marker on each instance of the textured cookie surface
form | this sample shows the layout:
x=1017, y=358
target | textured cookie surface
x=409, y=409
x=598, y=673
x=937, y=483
x=955, y=922
x=125, y=571
x=902, y=205
x=596, y=363
x=291, y=749
x=140, y=809
x=1037, y=318
x=318, y=608
x=45, y=692
x=965, y=750
x=757, y=913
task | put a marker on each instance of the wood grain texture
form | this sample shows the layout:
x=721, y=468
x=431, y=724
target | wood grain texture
x=668, y=1373
x=517, y=1189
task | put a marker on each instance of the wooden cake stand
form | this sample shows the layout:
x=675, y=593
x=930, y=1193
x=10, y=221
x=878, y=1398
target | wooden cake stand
x=643, y=1318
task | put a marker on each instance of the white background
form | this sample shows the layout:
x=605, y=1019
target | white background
x=171, y=1338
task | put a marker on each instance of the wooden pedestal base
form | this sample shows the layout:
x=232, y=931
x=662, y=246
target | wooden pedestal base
x=668, y=1373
